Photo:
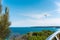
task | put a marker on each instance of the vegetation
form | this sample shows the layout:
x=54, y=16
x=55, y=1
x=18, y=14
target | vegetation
x=4, y=26
x=4, y=23
x=37, y=35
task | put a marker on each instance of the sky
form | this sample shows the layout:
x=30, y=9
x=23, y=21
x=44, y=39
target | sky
x=26, y=13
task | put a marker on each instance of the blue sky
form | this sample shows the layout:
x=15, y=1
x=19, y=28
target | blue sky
x=25, y=13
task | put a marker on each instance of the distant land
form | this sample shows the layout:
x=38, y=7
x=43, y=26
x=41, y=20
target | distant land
x=45, y=26
x=40, y=27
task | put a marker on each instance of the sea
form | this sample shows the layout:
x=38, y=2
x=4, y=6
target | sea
x=25, y=30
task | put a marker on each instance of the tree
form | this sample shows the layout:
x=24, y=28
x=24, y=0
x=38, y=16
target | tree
x=40, y=35
x=4, y=23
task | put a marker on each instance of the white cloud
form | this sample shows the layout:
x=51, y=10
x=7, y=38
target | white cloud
x=57, y=4
x=57, y=7
x=31, y=22
x=38, y=16
x=39, y=21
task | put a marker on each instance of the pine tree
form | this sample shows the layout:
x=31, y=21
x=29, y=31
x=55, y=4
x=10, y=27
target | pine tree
x=4, y=23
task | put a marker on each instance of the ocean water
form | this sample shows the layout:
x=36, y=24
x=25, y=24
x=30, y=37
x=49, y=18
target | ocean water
x=24, y=30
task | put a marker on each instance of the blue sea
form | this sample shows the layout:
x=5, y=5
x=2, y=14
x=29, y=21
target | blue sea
x=24, y=30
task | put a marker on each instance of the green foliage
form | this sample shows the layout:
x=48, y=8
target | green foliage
x=40, y=35
x=4, y=24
